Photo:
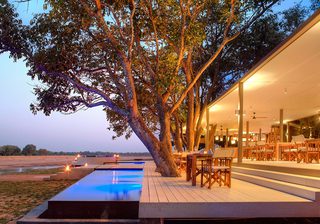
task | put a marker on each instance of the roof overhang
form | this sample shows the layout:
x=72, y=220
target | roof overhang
x=287, y=78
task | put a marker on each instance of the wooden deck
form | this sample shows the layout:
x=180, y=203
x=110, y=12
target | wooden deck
x=165, y=197
x=288, y=164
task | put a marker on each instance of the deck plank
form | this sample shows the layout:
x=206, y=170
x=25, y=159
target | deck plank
x=153, y=195
x=145, y=196
x=175, y=198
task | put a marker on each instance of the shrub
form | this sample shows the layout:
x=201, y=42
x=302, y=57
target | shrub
x=43, y=152
x=29, y=149
x=10, y=150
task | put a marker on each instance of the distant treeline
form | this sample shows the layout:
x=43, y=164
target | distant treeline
x=31, y=150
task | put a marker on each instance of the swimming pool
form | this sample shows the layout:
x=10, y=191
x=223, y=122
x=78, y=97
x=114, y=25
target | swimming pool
x=132, y=162
x=101, y=194
x=105, y=185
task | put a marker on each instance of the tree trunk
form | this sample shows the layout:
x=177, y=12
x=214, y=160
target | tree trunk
x=165, y=141
x=190, y=114
x=177, y=137
x=160, y=150
x=197, y=119
x=199, y=128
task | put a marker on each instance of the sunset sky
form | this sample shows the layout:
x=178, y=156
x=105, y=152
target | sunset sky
x=85, y=130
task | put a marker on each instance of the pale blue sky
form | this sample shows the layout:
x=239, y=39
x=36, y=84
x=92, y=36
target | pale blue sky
x=84, y=130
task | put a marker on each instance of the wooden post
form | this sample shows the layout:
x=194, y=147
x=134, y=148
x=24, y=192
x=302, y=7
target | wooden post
x=208, y=130
x=211, y=136
x=260, y=134
x=240, y=119
x=247, y=133
x=288, y=132
x=227, y=138
x=281, y=125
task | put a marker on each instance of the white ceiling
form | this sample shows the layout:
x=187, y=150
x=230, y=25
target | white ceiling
x=288, y=79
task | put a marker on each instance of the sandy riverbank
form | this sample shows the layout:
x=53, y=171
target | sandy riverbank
x=9, y=162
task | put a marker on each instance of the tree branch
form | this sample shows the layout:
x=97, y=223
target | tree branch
x=77, y=83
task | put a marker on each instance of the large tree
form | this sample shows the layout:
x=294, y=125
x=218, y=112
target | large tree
x=238, y=57
x=134, y=58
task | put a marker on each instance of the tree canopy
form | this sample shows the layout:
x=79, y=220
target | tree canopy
x=142, y=61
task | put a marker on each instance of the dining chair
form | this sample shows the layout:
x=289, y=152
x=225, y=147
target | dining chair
x=217, y=169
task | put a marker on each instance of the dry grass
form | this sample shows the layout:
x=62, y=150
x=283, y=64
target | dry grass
x=17, y=198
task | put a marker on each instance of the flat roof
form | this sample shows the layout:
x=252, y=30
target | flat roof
x=287, y=78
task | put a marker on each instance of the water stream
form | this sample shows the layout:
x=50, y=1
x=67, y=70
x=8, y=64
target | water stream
x=24, y=169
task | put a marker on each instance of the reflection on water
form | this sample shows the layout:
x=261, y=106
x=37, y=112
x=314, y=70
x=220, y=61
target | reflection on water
x=105, y=185
x=25, y=169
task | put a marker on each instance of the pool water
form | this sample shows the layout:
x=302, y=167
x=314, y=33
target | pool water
x=132, y=162
x=105, y=185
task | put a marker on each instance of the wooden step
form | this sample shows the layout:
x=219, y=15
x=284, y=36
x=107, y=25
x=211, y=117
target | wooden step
x=313, y=172
x=286, y=177
x=294, y=189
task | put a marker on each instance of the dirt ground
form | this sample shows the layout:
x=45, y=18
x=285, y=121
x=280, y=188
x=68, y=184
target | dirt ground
x=9, y=162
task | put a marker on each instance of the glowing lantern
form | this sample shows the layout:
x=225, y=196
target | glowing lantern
x=67, y=169
x=86, y=164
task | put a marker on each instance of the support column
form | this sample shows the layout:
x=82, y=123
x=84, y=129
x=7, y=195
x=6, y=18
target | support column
x=208, y=129
x=281, y=125
x=288, y=132
x=227, y=138
x=260, y=135
x=240, y=122
x=247, y=133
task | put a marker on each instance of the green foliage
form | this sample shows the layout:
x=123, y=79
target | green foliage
x=9, y=150
x=315, y=5
x=247, y=50
x=293, y=17
x=42, y=152
x=29, y=149
x=12, y=32
x=83, y=56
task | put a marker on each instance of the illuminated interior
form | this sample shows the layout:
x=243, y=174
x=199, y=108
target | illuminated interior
x=288, y=79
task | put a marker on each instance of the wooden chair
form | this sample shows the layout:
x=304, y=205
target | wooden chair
x=217, y=169
x=180, y=159
x=257, y=152
x=288, y=152
x=249, y=150
x=313, y=151
x=269, y=152
x=299, y=147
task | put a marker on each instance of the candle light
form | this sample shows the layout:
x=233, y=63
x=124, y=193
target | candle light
x=67, y=169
